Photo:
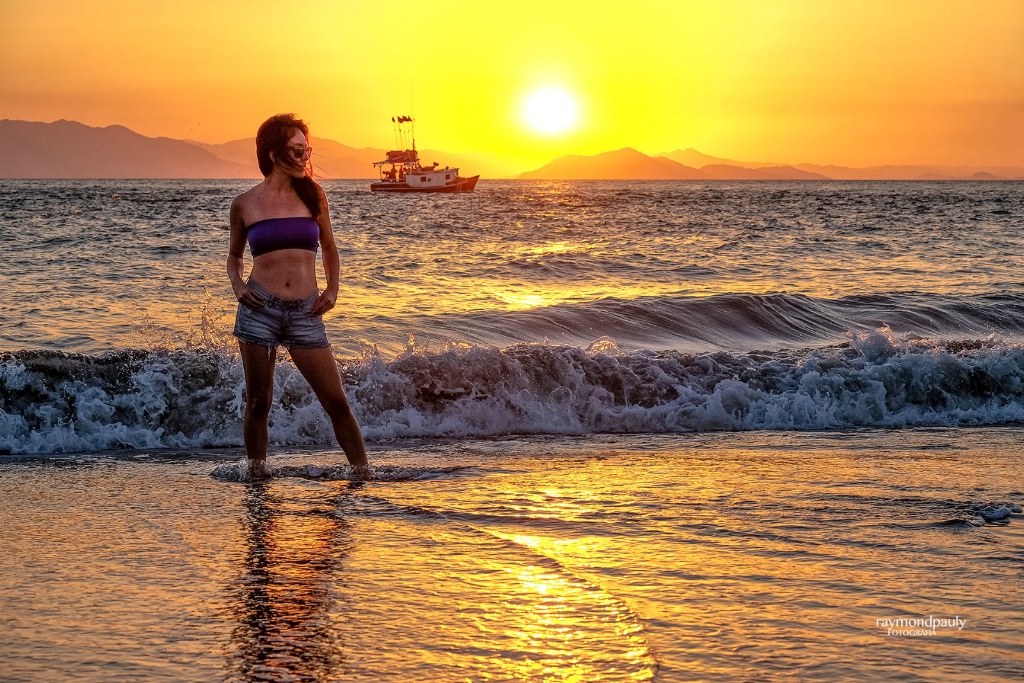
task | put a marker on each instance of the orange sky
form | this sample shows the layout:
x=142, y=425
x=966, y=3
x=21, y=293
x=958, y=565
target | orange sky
x=853, y=83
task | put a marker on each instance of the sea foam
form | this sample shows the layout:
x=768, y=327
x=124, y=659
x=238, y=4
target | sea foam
x=58, y=403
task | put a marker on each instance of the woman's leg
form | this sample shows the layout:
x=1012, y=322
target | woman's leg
x=321, y=371
x=258, y=363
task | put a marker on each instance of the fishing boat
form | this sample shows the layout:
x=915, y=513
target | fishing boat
x=402, y=171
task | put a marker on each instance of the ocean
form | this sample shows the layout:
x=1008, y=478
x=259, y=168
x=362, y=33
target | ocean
x=667, y=431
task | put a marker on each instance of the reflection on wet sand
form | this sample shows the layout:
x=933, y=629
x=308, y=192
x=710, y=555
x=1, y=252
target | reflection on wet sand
x=283, y=601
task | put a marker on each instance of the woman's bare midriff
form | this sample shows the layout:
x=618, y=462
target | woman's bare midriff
x=286, y=273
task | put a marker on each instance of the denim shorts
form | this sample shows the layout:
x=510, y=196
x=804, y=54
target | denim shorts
x=284, y=322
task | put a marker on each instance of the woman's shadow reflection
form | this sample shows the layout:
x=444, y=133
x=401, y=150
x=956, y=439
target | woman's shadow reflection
x=295, y=544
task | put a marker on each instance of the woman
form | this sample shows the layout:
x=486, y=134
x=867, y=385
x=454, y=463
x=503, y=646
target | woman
x=285, y=219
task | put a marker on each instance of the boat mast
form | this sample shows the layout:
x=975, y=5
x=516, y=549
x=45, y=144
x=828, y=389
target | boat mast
x=400, y=134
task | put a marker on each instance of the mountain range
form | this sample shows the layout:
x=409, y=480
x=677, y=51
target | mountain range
x=689, y=164
x=629, y=164
x=68, y=149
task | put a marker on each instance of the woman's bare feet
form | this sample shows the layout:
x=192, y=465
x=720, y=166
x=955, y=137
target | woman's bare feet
x=255, y=470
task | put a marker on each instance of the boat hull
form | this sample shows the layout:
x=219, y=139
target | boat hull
x=459, y=185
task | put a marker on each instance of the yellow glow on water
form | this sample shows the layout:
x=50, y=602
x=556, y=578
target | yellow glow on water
x=530, y=541
x=534, y=580
x=522, y=301
x=553, y=248
x=711, y=555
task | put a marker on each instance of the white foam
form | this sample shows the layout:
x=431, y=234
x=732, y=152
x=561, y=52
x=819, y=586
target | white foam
x=194, y=399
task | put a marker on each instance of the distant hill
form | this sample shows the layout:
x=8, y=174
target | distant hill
x=724, y=169
x=691, y=157
x=629, y=164
x=67, y=149
x=623, y=164
x=730, y=172
x=917, y=172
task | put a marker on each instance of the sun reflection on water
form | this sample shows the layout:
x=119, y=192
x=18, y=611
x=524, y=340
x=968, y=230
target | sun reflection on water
x=495, y=603
x=518, y=301
x=556, y=624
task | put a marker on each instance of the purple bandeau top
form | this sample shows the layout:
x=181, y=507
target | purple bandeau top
x=294, y=232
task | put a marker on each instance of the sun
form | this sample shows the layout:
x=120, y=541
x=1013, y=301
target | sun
x=550, y=111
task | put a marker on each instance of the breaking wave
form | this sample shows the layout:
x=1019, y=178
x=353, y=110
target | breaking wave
x=52, y=402
x=733, y=321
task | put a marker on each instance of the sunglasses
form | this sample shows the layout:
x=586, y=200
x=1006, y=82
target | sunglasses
x=300, y=153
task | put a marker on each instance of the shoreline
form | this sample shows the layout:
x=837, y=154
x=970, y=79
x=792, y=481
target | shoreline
x=630, y=557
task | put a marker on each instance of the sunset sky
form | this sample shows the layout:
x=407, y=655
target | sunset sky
x=853, y=83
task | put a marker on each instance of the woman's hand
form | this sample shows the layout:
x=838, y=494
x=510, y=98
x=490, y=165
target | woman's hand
x=246, y=296
x=324, y=302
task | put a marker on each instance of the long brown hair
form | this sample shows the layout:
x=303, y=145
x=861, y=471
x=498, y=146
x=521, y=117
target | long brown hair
x=273, y=136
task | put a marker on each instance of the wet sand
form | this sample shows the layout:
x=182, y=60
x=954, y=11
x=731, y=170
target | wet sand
x=770, y=556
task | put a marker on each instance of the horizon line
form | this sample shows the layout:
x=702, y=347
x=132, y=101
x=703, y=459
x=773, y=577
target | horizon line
x=711, y=160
